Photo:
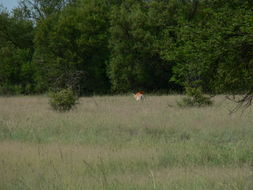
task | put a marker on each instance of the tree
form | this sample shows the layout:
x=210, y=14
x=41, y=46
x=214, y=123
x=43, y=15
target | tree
x=16, y=49
x=72, y=42
x=136, y=44
x=214, y=50
x=39, y=9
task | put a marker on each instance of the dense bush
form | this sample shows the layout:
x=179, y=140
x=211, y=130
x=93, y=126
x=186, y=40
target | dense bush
x=136, y=41
x=10, y=90
x=128, y=45
x=63, y=100
x=195, y=97
x=16, y=51
x=71, y=42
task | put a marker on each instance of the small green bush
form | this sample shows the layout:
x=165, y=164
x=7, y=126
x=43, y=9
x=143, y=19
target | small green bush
x=63, y=100
x=195, y=97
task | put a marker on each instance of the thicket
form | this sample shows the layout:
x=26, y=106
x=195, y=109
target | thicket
x=127, y=45
x=63, y=100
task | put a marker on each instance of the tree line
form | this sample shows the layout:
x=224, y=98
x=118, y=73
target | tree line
x=105, y=46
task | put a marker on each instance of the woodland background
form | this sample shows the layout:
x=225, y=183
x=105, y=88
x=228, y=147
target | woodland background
x=118, y=46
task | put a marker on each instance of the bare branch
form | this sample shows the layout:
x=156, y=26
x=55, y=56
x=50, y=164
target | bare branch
x=242, y=103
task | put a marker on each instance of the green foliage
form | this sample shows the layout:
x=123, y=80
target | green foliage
x=213, y=48
x=16, y=49
x=136, y=42
x=74, y=41
x=6, y=89
x=63, y=100
x=127, y=45
x=194, y=98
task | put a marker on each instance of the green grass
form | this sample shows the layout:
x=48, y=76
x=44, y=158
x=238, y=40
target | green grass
x=114, y=143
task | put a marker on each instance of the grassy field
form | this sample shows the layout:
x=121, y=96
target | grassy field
x=116, y=143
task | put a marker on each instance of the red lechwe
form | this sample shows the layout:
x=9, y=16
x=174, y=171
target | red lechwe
x=139, y=95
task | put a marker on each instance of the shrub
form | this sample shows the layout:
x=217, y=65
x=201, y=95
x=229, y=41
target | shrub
x=195, y=97
x=10, y=89
x=63, y=100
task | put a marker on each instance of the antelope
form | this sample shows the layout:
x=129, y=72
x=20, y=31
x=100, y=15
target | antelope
x=139, y=95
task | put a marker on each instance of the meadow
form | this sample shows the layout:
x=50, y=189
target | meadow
x=116, y=143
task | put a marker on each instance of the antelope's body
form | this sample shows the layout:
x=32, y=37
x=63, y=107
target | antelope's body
x=139, y=96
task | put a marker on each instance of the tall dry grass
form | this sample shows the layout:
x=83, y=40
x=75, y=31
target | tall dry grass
x=114, y=142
